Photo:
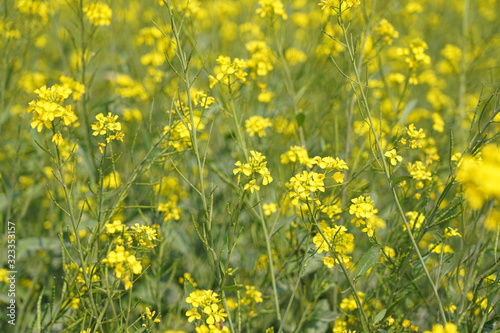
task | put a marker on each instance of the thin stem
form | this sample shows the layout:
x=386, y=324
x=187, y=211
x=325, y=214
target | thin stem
x=388, y=176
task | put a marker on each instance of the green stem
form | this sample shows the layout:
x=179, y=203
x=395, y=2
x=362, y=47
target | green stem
x=364, y=101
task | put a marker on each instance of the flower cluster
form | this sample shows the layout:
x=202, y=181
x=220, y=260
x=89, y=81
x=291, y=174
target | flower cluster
x=180, y=132
x=448, y=328
x=261, y=60
x=269, y=208
x=208, y=302
x=257, y=125
x=77, y=87
x=303, y=187
x=415, y=222
x=34, y=7
x=256, y=167
x=481, y=178
x=296, y=154
x=331, y=164
x=339, y=6
x=414, y=136
x=202, y=99
x=251, y=298
x=187, y=277
x=333, y=211
x=128, y=242
x=49, y=107
x=127, y=87
x=150, y=318
x=271, y=8
x=336, y=241
x=170, y=210
x=109, y=127
x=362, y=207
x=418, y=171
x=124, y=263
x=415, y=56
x=228, y=72
x=393, y=156
x=386, y=31
x=363, y=210
x=98, y=13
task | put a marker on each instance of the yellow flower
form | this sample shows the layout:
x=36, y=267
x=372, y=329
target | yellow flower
x=252, y=186
x=98, y=13
x=303, y=187
x=393, y=156
x=257, y=125
x=228, y=72
x=252, y=295
x=336, y=237
x=419, y=171
x=112, y=180
x=362, y=208
x=296, y=154
x=255, y=168
x=448, y=328
x=77, y=88
x=386, y=31
x=192, y=315
x=57, y=139
x=109, y=127
x=450, y=232
x=481, y=179
x=49, y=107
x=270, y=8
x=269, y=208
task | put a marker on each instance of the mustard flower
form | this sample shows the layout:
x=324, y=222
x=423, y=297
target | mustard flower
x=450, y=232
x=386, y=31
x=188, y=277
x=271, y=8
x=208, y=302
x=98, y=13
x=335, y=239
x=448, y=328
x=418, y=171
x=261, y=59
x=415, y=136
x=252, y=295
x=257, y=125
x=127, y=87
x=393, y=157
x=229, y=71
x=255, y=168
x=109, y=127
x=303, y=187
x=57, y=139
x=296, y=154
x=481, y=178
x=416, y=220
x=269, y=208
x=170, y=210
x=77, y=88
x=49, y=107
x=202, y=99
x=362, y=208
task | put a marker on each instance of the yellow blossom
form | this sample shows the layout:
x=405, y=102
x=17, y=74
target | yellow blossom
x=98, y=13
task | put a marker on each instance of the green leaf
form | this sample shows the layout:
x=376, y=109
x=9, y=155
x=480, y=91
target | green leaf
x=300, y=118
x=379, y=316
x=188, y=288
x=367, y=260
x=235, y=287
